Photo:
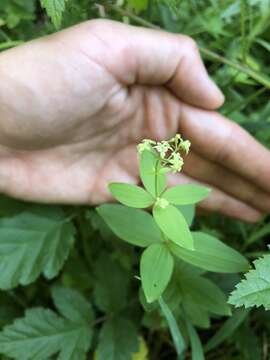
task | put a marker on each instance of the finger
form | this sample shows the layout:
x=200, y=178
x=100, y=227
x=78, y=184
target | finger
x=221, y=202
x=224, y=142
x=204, y=170
x=151, y=57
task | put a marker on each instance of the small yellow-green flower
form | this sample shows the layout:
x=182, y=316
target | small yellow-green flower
x=146, y=144
x=163, y=203
x=185, y=146
x=162, y=148
x=176, y=162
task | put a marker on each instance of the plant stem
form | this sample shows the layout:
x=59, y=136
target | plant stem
x=208, y=53
x=156, y=178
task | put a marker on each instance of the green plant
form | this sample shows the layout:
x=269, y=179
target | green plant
x=96, y=271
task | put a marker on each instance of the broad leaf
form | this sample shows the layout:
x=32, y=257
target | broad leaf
x=205, y=294
x=33, y=242
x=41, y=333
x=186, y=194
x=156, y=269
x=254, y=290
x=188, y=212
x=134, y=226
x=131, y=195
x=173, y=224
x=111, y=284
x=212, y=255
x=118, y=340
x=152, y=179
x=55, y=10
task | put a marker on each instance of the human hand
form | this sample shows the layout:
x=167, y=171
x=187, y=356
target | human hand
x=74, y=105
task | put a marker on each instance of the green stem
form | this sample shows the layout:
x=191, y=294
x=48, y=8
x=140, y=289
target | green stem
x=156, y=178
x=208, y=53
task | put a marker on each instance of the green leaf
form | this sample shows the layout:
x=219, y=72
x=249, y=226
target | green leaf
x=55, y=10
x=211, y=254
x=195, y=342
x=156, y=269
x=186, y=194
x=134, y=226
x=205, y=294
x=131, y=195
x=10, y=207
x=118, y=340
x=109, y=295
x=151, y=178
x=138, y=5
x=173, y=224
x=33, y=242
x=227, y=329
x=72, y=305
x=41, y=333
x=254, y=290
x=188, y=212
x=178, y=339
x=197, y=315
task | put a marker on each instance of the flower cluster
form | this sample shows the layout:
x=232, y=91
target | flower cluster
x=168, y=151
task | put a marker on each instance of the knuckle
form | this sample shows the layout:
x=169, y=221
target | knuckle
x=189, y=44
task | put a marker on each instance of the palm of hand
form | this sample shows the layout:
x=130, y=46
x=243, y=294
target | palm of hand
x=83, y=133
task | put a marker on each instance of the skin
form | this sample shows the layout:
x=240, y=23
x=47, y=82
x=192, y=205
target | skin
x=74, y=105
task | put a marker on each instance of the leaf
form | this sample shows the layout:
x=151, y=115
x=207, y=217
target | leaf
x=195, y=342
x=55, y=10
x=211, y=254
x=188, y=212
x=186, y=194
x=131, y=195
x=178, y=339
x=138, y=5
x=173, y=224
x=110, y=296
x=205, y=294
x=149, y=170
x=142, y=353
x=33, y=242
x=118, y=340
x=254, y=290
x=227, y=329
x=156, y=269
x=10, y=207
x=134, y=226
x=197, y=315
x=41, y=333
x=72, y=305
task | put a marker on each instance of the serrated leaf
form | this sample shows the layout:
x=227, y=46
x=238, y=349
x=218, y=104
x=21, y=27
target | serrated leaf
x=110, y=297
x=134, y=226
x=186, y=194
x=211, y=254
x=156, y=269
x=55, y=10
x=41, y=333
x=33, y=242
x=131, y=195
x=72, y=305
x=152, y=179
x=118, y=340
x=173, y=224
x=254, y=290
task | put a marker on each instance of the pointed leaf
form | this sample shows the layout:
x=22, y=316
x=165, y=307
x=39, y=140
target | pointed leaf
x=178, y=339
x=41, y=333
x=33, y=242
x=173, y=224
x=195, y=342
x=186, y=194
x=131, y=195
x=254, y=290
x=134, y=226
x=188, y=212
x=149, y=169
x=205, y=294
x=156, y=269
x=211, y=254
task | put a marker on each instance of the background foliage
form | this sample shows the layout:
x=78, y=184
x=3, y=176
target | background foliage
x=61, y=266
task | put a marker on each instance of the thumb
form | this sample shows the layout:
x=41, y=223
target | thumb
x=152, y=57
